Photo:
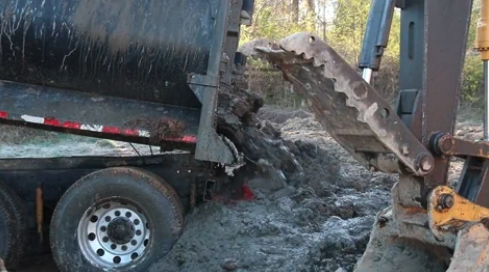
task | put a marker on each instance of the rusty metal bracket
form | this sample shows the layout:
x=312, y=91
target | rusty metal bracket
x=474, y=180
x=200, y=80
x=210, y=146
x=447, y=210
x=348, y=107
x=446, y=144
x=193, y=194
x=40, y=213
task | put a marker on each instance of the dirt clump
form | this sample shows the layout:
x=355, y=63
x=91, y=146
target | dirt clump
x=265, y=151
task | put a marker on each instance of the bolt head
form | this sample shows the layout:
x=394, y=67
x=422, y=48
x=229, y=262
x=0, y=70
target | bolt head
x=447, y=144
x=447, y=201
x=426, y=163
x=360, y=89
x=405, y=150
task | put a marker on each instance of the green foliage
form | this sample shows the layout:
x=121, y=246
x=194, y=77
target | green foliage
x=344, y=30
x=473, y=73
x=348, y=28
x=273, y=20
x=473, y=80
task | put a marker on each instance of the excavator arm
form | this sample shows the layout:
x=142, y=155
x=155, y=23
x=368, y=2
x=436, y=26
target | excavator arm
x=430, y=226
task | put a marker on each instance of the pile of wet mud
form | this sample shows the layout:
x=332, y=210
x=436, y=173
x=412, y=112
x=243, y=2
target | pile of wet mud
x=265, y=156
x=318, y=221
x=316, y=217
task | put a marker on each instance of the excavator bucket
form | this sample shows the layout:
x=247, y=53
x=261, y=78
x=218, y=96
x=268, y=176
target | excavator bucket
x=406, y=237
x=390, y=250
x=401, y=240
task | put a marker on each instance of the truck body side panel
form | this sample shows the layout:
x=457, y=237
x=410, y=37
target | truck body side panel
x=131, y=48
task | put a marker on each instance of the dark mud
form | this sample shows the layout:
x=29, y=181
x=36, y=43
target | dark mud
x=265, y=152
x=319, y=221
x=284, y=234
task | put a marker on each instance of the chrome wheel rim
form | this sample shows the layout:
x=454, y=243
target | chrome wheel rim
x=113, y=233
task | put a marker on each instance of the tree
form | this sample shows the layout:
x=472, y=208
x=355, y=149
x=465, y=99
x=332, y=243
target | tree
x=343, y=26
x=295, y=11
x=347, y=31
x=275, y=19
x=473, y=75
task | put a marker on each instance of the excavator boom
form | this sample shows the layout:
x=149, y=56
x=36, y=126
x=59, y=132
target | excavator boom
x=429, y=226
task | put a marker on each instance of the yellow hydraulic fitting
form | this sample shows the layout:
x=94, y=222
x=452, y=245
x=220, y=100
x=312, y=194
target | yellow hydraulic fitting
x=482, y=34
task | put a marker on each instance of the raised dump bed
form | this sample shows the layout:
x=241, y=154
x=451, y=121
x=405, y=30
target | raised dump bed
x=141, y=71
x=138, y=71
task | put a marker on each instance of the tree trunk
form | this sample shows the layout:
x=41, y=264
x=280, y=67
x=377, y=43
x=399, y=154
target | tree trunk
x=295, y=11
x=312, y=7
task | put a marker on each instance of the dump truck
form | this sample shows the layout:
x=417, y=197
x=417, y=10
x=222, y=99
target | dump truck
x=145, y=72
x=149, y=71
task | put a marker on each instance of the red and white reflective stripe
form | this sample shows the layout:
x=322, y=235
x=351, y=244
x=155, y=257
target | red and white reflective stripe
x=32, y=119
x=189, y=139
x=95, y=128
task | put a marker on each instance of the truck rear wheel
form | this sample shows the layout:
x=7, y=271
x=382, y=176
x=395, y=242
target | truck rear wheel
x=13, y=227
x=120, y=219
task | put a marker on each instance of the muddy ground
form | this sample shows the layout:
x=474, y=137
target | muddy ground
x=319, y=222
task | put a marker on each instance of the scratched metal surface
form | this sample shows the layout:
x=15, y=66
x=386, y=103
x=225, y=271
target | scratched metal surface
x=19, y=99
x=138, y=49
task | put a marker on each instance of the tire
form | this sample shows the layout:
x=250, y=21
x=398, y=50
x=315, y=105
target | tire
x=13, y=227
x=98, y=204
